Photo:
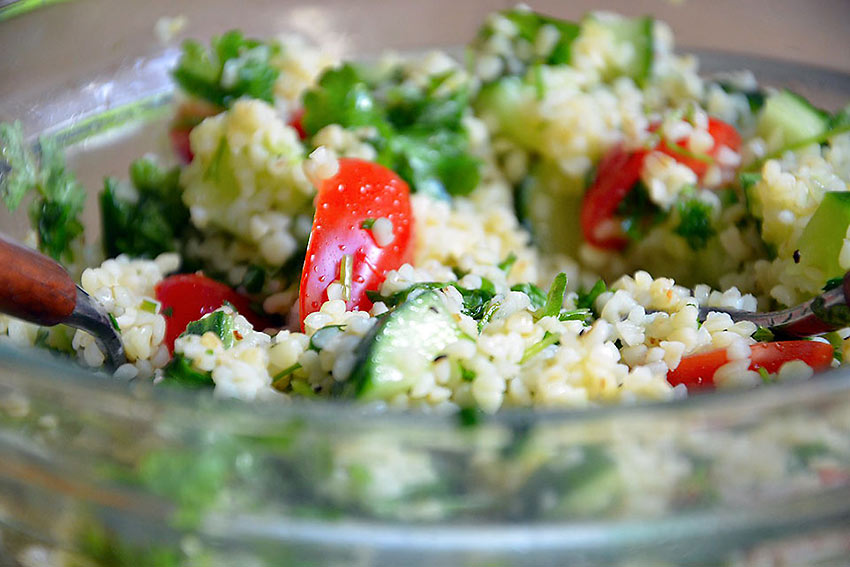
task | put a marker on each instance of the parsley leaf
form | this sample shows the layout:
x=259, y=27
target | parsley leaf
x=19, y=170
x=218, y=322
x=586, y=299
x=233, y=67
x=145, y=221
x=638, y=213
x=54, y=212
x=555, y=298
x=180, y=371
x=418, y=131
x=763, y=335
x=695, y=223
x=475, y=301
x=534, y=293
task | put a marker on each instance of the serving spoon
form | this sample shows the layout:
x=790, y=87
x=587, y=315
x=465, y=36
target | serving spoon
x=37, y=289
x=826, y=312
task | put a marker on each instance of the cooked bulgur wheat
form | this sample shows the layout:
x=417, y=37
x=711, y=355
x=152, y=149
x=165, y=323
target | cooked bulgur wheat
x=645, y=324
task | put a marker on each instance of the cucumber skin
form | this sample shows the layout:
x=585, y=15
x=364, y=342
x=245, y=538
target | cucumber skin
x=399, y=337
x=793, y=116
x=822, y=239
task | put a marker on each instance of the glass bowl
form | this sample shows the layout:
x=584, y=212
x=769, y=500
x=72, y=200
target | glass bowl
x=98, y=472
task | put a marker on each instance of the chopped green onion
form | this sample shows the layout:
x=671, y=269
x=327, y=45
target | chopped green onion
x=149, y=305
x=367, y=223
x=765, y=375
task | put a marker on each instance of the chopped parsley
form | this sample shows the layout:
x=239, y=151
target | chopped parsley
x=180, y=371
x=508, y=263
x=638, y=213
x=233, y=66
x=763, y=335
x=475, y=301
x=218, y=322
x=695, y=223
x=417, y=129
x=57, y=196
x=534, y=293
x=548, y=339
x=554, y=299
x=466, y=374
x=586, y=299
x=146, y=219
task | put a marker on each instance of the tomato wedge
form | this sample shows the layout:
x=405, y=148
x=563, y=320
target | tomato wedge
x=619, y=170
x=360, y=193
x=617, y=174
x=187, y=297
x=697, y=370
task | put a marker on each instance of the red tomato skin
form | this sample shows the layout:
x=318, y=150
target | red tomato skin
x=617, y=173
x=180, y=144
x=722, y=133
x=360, y=190
x=697, y=370
x=187, y=297
x=297, y=122
x=771, y=356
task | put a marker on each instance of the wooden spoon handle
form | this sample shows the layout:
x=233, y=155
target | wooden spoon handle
x=33, y=287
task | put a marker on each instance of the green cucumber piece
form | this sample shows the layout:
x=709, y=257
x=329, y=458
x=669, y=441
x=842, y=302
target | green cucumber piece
x=823, y=237
x=401, y=348
x=788, y=119
x=511, y=103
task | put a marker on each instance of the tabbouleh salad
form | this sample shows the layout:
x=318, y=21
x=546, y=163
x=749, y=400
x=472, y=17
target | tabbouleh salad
x=535, y=225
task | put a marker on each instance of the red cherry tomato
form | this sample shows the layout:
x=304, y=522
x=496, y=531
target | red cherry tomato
x=697, y=370
x=722, y=133
x=187, y=297
x=297, y=122
x=360, y=191
x=617, y=173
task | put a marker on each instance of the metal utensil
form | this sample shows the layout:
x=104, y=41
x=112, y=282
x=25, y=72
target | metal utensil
x=35, y=288
x=827, y=312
